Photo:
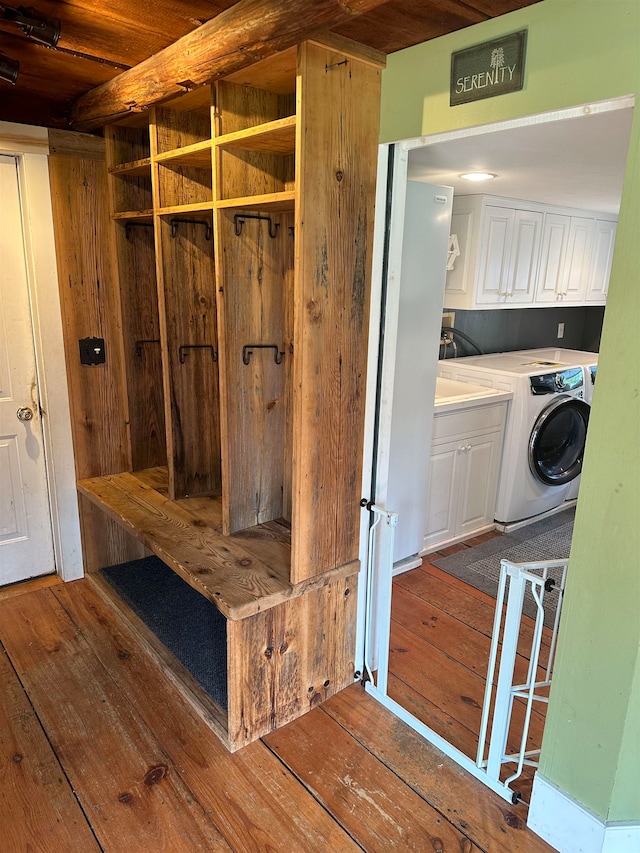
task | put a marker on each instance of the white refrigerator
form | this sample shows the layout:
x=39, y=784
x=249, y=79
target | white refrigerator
x=421, y=281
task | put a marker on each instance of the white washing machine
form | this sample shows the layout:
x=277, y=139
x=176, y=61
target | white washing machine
x=545, y=431
x=565, y=357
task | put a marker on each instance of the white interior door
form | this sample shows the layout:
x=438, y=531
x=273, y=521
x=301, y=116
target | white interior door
x=26, y=543
x=423, y=265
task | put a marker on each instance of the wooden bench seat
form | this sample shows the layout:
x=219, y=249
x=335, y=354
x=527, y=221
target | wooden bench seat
x=241, y=574
x=288, y=646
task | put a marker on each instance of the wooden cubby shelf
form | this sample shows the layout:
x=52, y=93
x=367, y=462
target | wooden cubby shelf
x=284, y=201
x=274, y=137
x=186, y=209
x=134, y=215
x=137, y=167
x=197, y=154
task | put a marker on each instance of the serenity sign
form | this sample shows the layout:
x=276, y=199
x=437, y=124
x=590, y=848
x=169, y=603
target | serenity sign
x=485, y=70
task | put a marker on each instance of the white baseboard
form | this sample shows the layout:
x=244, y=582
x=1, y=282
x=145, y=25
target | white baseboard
x=570, y=828
x=406, y=565
x=621, y=838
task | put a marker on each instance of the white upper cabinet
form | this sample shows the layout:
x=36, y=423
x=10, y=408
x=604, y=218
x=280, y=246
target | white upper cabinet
x=565, y=259
x=601, y=257
x=525, y=254
x=521, y=254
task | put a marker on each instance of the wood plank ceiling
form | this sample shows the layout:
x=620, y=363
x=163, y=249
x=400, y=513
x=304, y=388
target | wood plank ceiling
x=101, y=38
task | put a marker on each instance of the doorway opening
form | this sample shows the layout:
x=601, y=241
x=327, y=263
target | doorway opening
x=433, y=632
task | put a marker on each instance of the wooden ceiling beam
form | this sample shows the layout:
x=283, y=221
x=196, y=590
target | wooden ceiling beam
x=241, y=35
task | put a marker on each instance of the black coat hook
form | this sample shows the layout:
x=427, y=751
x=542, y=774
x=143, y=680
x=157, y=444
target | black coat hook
x=239, y=218
x=247, y=352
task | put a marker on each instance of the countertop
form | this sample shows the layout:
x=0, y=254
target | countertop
x=453, y=395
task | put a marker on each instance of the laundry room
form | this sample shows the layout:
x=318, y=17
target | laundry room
x=490, y=468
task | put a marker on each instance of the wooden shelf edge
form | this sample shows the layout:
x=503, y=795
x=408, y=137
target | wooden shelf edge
x=276, y=137
x=351, y=48
x=177, y=209
x=190, y=155
x=146, y=215
x=135, y=167
x=284, y=201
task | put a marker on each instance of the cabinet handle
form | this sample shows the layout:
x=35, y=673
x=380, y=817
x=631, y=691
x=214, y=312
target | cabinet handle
x=462, y=448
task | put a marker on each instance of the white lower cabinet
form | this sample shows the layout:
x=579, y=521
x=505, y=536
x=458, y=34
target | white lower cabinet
x=466, y=451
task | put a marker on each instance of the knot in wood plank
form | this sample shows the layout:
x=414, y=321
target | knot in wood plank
x=155, y=774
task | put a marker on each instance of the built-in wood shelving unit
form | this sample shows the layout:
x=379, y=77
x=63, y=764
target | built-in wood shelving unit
x=244, y=337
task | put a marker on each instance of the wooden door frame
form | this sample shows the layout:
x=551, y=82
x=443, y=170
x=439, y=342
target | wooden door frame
x=30, y=146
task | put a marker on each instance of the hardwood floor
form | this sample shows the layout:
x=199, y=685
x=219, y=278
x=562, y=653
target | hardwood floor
x=438, y=656
x=98, y=751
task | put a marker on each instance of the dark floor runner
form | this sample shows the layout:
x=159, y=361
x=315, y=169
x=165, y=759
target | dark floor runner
x=547, y=539
x=191, y=627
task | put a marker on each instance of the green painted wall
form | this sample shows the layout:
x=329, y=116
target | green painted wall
x=578, y=51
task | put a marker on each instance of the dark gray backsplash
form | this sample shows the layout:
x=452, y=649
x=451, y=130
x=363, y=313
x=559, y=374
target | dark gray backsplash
x=528, y=328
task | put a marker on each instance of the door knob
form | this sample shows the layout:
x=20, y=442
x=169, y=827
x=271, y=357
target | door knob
x=24, y=413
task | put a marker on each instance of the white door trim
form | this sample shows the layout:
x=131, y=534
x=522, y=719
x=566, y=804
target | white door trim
x=30, y=146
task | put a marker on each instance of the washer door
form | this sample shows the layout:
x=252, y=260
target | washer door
x=556, y=445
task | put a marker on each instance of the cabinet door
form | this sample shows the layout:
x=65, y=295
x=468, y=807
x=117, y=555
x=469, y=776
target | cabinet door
x=554, y=247
x=459, y=282
x=495, y=254
x=601, y=258
x=441, y=503
x=577, y=259
x=478, y=480
x=525, y=254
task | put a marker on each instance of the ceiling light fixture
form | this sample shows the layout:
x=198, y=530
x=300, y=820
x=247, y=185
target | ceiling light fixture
x=35, y=26
x=478, y=176
x=9, y=69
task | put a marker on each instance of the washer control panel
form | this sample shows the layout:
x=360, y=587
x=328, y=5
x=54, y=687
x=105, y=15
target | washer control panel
x=569, y=381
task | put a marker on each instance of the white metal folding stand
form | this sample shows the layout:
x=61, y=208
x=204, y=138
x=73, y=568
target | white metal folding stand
x=379, y=590
x=519, y=575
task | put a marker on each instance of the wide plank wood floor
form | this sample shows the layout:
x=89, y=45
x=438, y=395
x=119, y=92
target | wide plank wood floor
x=438, y=657
x=99, y=751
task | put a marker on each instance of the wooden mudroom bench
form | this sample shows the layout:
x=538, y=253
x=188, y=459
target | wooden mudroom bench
x=242, y=574
x=275, y=672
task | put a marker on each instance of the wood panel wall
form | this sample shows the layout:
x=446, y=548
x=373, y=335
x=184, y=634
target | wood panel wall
x=90, y=307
